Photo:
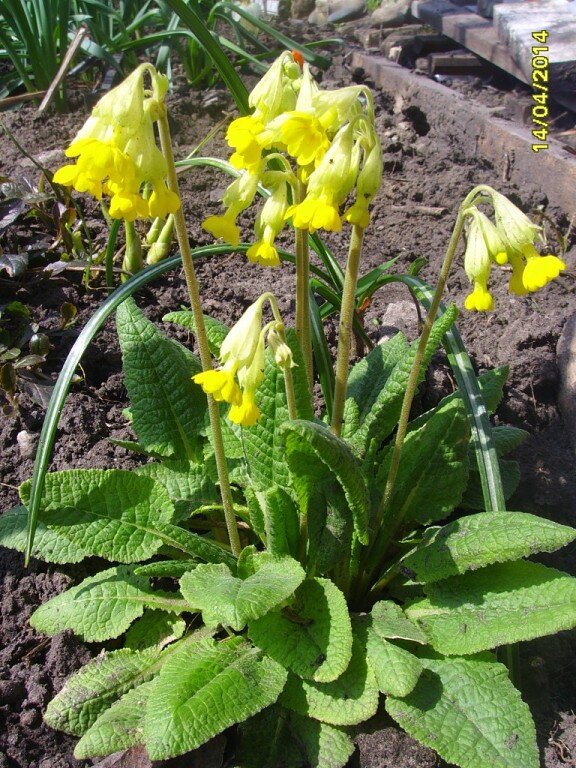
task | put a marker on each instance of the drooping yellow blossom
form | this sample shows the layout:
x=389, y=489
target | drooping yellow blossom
x=539, y=270
x=494, y=242
x=477, y=266
x=269, y=222
x=221, y=384
x=247, y=413
x=328, y=186
x=302, y=134
x=367, y=185
x=238, y=196
x=276, y=91
x=116, y=150
x=241, y=343
x=242, y=135
x=282, y=353
x=514, y=227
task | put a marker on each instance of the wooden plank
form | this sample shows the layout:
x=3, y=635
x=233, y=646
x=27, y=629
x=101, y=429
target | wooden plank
x=479, y=133
x=469, y=30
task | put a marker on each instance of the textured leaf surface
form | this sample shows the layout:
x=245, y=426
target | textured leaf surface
x=313, y=639
x=349, y=700
x=168, y=409
x=281, y=523
x=111, y=513
x=119, y=727
x=215, y=330
x=185, y=481
x=367, y=379
x=389, y=621
x=313, y=451
x=154, y=629
x=397, y=670
x=434, y=467
x=470, y=713
x=228, y=600
x=488, y=537
x=204, y=689
x=473, y=497
x=195, y=545
x=383, y=415
x=92, y=689
x=50, y=546
x=263, y=443
x=500, y=604
x=102, y=606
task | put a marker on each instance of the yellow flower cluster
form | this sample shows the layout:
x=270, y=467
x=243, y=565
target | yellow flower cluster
x=242, y=359
x=510, y=240
x=327, y=145
x=117, y=153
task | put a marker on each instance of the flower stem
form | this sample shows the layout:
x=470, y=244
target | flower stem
x=303, y=329
x=203, y=348
x=345, y=329
x=385, y=525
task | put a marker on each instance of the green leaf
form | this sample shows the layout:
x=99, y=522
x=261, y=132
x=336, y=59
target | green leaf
x=314, y=637
x=492, y=386
x=49, y=545
x=91, y=690
x=314, y=453
x=216, y=331
x=110, y=513
x=225, y=599
x=204, y=689
x=263, y=443
x=389, y=621
x=397, y=670
x=102, y=606
x=497, y=605
x=478, y=540
x=185, y=481
x=433, y=469
x=195, y=545
x=119, y=727
x=383, y=415
x=168, y=409
x=367, y=379
x=154, y=629
x=507, y=438
x=281, y=523
x=470, y=713
x=349, y=700
x=161, y=569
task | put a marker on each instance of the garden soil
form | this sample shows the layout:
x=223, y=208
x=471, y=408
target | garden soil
x=426, y=177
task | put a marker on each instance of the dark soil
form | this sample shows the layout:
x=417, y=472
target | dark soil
x=425, y=169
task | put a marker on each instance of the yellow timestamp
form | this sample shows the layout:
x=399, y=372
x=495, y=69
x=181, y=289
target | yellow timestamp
x=540, y=85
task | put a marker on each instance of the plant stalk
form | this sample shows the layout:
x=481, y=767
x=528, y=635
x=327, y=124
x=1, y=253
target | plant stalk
x=385, y=525
x=203, y=348
x=303, y=329
x=345, y=328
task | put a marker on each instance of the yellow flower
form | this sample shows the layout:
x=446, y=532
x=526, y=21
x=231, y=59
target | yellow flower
x=281, y=351
x=316, y=212
x=116, y=149
x=514, y=227
x=263, y=253
x=241, y=343
x=540, y=270
x=247, y=413
x=477, y=265
x=275, y=92
x=494, y=242
x=516, y=284
x=224, y=227
x=221, y=384
x=368, y=183
x=302, y=134
x=242, y=135
x=480, y=299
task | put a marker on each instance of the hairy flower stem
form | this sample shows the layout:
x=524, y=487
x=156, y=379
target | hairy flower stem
x=345, y=328
x=203, y=348
x=303, y=329
x=385, y=524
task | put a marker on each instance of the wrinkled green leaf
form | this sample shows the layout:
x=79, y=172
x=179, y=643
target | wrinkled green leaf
x=204, y=689
x=168, y=409
x=497, y=605
x=470, y=713
x=154, y=629
x=314, y=637
x=50, y=546
x=478, y=540
x=216, y=331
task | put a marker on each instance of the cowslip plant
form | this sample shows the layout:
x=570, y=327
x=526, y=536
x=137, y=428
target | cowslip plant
x=280, y=571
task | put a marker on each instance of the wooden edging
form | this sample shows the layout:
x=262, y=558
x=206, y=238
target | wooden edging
x=505, y=144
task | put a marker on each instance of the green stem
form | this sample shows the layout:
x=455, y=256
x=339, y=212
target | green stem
x=385, y=525
x=110, y=248
x=290, y=396
x=303, y=329
x=345, y=327
x=203, y=348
